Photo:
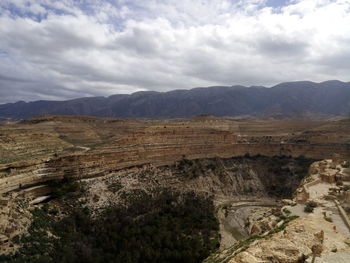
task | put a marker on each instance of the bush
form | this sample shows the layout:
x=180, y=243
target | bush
x=287, y=211
x=309, y=207
x=62, y=187
x=184, y=163
x=114, y=187
x=329, y=219
x=339, y=183
x=346, y=164
x=346, y=188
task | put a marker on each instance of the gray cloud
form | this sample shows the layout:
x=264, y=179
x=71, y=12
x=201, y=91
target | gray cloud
x=13, y=79
x=98, y=49
x=276, y=46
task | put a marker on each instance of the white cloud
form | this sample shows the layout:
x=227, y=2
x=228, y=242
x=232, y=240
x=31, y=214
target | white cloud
x=59, y=50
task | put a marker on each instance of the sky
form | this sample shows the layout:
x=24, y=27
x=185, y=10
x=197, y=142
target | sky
x=58, y=50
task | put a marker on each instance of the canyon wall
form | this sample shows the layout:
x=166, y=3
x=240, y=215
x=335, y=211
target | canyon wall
x=83, y=147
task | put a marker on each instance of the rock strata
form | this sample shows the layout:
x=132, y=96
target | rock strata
x=52, y=147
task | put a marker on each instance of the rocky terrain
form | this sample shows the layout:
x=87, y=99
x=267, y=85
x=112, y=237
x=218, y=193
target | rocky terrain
x=319, y=228
x=245, y=167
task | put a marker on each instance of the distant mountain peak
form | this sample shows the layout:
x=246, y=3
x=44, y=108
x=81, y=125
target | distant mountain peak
x=288, y=99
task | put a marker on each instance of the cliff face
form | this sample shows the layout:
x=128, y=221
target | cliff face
x=241, y=178
x=52, y=147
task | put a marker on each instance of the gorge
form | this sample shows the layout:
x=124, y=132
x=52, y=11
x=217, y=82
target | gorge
x=238, y=171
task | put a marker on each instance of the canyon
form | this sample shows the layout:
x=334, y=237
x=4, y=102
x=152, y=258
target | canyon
x=246, y=166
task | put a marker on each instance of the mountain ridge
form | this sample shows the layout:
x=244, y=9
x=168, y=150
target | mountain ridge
x=285, y=99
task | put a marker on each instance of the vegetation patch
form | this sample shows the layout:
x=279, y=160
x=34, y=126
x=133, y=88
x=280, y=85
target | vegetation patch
x=310, y=206
x=283, y=226
x=285, y=168
x=287, y=211
x=346, y=164
x=65, y=186
x=244, y=244
x=191, y=168
x=114, y=187
x=185, y=162
x=162, y=227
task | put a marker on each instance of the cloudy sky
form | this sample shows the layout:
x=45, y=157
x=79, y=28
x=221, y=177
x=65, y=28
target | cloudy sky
x=74, y=48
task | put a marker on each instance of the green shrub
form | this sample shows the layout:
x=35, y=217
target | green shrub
x=114, y=187
x=287, y=211
x=285, y=223
x=346, y=164
x=62, y=187
x=309, y=207
x=346, y=187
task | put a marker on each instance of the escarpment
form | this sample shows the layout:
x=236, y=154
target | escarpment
x=53, y=147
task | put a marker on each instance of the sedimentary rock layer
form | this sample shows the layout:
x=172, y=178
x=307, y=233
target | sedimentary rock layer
x=51, y=147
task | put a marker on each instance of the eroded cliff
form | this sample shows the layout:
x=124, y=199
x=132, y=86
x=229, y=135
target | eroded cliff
x=41, y=149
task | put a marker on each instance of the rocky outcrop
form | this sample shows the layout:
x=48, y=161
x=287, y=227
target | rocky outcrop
x=295, y=243
x=322, y=232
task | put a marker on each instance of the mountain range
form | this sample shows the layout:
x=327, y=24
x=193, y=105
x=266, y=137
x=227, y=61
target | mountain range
x=299, y=98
